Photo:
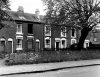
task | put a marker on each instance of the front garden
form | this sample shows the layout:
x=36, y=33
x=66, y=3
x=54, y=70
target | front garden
x=51, y=56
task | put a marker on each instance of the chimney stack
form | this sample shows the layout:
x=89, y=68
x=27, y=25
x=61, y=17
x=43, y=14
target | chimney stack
x=20, y=9
x=37, y=13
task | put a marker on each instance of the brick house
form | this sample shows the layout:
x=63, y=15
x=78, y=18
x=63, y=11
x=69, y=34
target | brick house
x=24, y=34
x=28, y=33
x=60, y=37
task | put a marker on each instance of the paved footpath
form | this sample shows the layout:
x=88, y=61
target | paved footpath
x=46, y=66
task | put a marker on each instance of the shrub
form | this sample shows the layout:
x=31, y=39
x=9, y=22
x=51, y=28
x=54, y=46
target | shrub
x=21, y=58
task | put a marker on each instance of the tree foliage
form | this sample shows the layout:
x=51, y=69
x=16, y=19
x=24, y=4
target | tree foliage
x=82, y=13
x=4, y=7
x=67, y=11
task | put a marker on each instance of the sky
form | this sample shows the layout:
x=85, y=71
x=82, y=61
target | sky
x=29, y=5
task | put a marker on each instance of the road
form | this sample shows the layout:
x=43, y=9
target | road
x=88, y=71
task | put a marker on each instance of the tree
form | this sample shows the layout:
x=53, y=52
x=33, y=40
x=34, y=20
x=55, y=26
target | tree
x=80, y=13
x=4, y=16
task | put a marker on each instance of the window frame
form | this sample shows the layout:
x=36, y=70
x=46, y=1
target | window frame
x=65, y=45
x=74, y=33
x=65, y=29
x=74, y=40
x=17, y=31
x=49, y=33
x=19, y=47
x=47, y=46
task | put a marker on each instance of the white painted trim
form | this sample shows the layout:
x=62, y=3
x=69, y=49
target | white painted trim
x=57, y=39
x=19, y=48
x=2, y=39
x=19, y=37
x=10, y=39
x=30, y=37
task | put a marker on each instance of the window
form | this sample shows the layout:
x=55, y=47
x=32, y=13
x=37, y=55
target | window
x=86, y=43
x=30, y=28
x=19, y=42
x=63, y=43
x=73, y=33
x=73, y=41
x=19, y=28
x=47, y=42
x=63, y=32
x=2, y=44
x=47, y=30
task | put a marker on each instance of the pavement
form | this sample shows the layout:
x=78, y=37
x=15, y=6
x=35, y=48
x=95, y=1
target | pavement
x=6, y=70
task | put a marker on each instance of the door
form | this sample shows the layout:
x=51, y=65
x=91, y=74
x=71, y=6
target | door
x=37, y=47
x=57, y=45
x=9, y=46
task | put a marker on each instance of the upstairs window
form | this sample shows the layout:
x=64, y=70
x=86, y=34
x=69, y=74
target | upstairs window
x=73, y=33
x=47, y=30
x=30, y=28
x=63, y=32
x=19, y=29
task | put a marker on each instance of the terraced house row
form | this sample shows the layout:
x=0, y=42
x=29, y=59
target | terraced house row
x=30, y=33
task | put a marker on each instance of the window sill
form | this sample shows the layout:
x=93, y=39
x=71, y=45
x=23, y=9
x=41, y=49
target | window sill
x=19, y=49
x=19, y=33
x=47, y=34
x=73, y=36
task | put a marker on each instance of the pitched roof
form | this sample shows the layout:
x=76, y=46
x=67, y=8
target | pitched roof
x=25, y=16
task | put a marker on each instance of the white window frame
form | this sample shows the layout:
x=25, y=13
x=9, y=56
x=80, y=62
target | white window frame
x=65, y=43
x=21, y=38
x=17, y=32
x=74, y=33
x=46, y=30
x=73, y=40
x=63, y=32
x=46, y=46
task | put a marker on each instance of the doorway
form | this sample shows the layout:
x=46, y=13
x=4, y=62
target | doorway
x=57, y=45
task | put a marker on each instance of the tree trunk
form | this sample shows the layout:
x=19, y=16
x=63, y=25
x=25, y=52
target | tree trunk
x=84, y=33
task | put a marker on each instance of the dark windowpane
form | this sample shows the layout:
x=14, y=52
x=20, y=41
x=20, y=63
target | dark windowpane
x=73, y=32
x=30, y=28
x=63, y=42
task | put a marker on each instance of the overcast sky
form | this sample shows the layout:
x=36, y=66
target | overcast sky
x=29, y=5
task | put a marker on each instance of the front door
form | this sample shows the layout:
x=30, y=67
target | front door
x=57, y=45
x=37, y=47
x=9, y=46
